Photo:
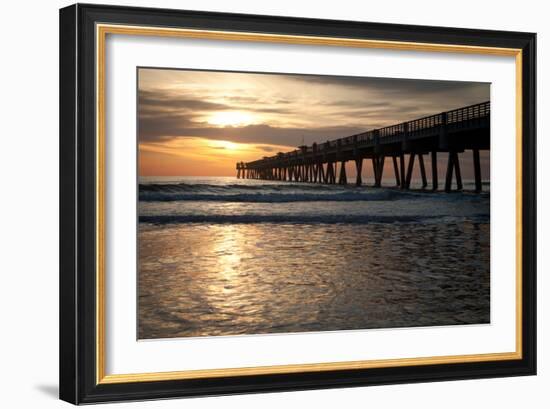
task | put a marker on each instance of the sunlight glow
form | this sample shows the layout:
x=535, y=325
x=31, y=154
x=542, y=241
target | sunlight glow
x=230, y=118
x=230, y=146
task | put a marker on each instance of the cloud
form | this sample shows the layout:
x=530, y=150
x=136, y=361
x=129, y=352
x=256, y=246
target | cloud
x=242, y=99
x=287, y=109
x=402, y=86
x=251, y=134
x=266, y=148
x=167, y=100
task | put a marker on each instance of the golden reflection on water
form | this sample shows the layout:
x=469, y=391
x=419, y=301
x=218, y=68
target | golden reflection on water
x=228, y=279
x=227, y=251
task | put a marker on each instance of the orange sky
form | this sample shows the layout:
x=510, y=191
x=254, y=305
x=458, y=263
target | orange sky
x=200, y=123
x=193, y=156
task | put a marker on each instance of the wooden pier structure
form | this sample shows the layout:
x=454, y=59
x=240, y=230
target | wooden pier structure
x=451, y=133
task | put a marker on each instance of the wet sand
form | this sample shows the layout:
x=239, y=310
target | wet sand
x=207, y=279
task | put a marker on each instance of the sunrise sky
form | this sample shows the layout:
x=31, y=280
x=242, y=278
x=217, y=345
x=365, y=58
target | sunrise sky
x=200, y=123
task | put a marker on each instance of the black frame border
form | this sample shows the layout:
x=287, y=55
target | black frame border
x=78, y=197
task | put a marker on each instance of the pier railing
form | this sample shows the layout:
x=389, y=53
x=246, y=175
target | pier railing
x=455, y=116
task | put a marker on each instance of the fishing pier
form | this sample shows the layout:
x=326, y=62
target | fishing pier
x=406, y=143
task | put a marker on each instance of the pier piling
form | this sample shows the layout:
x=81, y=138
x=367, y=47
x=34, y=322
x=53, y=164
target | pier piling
x=358, y=171
x=434, y=171
x=477, y=170
x=409, y=171
x=403, y=183
x=396, y=171
x=422, y=171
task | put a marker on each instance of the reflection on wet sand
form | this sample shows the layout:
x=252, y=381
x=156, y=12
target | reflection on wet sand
x=200, y=279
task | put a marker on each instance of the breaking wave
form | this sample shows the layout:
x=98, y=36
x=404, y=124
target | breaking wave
x=265, y=194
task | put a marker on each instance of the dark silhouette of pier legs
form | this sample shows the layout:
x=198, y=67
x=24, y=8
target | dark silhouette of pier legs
x=331, y=175
x=457, y=170
x=359, y=169
x=343, y=178
x=375, y=170
x=422, y=171
x=324, y=174
x=477, y=170
x=379, y=170
x=435, y=182
x=409, y=171
x=378, y=167
x=402, y=171
x=319, y=170
x=453, y=164
x=396, y=171
x=315, y=172
x=449, y=174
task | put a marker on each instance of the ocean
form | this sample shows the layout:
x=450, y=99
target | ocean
x=227, y=256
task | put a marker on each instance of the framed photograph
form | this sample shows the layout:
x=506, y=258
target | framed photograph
x=257, y=203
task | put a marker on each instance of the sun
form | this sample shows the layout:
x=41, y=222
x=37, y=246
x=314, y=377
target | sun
x=230, y=118
x=228, y=145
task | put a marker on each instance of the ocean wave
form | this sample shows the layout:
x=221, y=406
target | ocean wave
x=268, y=193
x=268, y=197
x=307, y=219
x=282, y=193
x=219, y=188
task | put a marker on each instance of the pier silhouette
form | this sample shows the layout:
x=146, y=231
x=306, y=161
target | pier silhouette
x=451, y=133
